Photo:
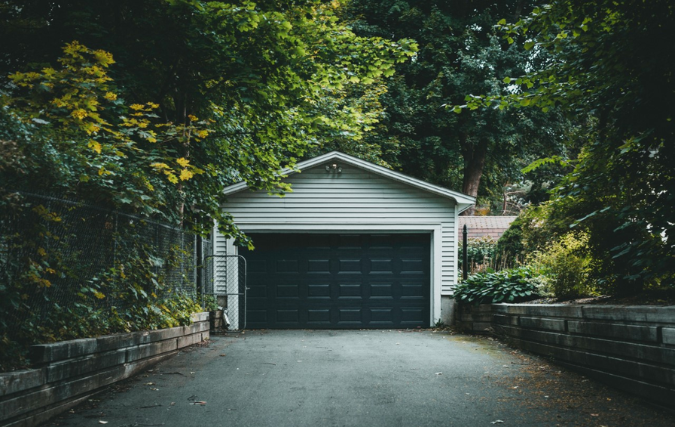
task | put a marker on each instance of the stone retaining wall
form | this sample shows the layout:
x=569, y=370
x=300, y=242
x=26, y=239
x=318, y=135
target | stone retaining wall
x=68, y=372
x=631, y=348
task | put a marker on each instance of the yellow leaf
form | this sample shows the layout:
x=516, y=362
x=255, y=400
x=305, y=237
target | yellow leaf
x=136, y=107
x=99, y=295
x=95, y=145
x=79, y=114
x=183, y=161
x=42, y=252
x=110, y=96
x=185, y=175
x=172, y=177
x=103, y=57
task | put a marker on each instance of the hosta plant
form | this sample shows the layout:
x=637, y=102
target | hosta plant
x=514, y=285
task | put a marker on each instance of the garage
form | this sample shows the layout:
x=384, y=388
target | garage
x=338, y=281
x=352, y=245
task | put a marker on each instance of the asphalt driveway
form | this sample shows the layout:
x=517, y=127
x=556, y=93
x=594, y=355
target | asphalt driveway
x=359, y=378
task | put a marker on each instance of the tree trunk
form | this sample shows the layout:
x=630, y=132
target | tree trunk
x=474, y=161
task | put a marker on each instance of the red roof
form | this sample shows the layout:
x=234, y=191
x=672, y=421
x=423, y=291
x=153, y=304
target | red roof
x=484, y=226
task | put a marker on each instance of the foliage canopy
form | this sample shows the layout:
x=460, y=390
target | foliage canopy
x=459, y=52
x=202, y=94
x=610, y=73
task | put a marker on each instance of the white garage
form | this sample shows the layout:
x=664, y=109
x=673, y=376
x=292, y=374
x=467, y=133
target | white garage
x=354, y=245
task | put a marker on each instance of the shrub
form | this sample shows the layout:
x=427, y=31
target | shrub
x=481, y=254
x=510, y=244
x=514, y=285
x=210, y=303
x=568, y=266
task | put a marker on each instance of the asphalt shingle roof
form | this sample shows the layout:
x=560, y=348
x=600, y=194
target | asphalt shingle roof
x=484, y=226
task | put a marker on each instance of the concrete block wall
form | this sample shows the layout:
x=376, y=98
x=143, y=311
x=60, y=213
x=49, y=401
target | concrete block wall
x=630, y=348
x=68, y=372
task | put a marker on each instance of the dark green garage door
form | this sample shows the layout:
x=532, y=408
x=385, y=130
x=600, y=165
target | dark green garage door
x=338, y=281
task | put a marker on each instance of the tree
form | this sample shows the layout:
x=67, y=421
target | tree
x=609, y=68
x=479, y=151
x=251, y=74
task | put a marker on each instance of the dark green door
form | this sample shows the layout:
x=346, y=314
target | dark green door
x=338, y=281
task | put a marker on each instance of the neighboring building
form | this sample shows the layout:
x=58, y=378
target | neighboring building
x=485, y=227
x=354, y=245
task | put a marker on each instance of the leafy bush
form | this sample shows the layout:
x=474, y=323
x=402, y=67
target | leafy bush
x=534, y=228
x=510, y=244
x=514, y=285
x=210, y=303
x=568, y=266
x=481, y=254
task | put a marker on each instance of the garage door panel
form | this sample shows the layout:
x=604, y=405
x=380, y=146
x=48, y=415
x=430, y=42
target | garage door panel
x=349, y=290
x=288, y=266
x=322, y=315
x=352, y=241
x=381, y=315
x=318, y=291
x=256, y=316
x=318, y=266
x=256, y=292
x=256, y=266
x=413, y=290
x=381, y=266
x=359, y=281
x=350, y=266
x=287, y=291
x=380, y=290
x=350, y=315
x=288, y=316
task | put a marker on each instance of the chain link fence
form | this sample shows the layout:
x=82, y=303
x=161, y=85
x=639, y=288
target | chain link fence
x=225, y=279
x=67, y=268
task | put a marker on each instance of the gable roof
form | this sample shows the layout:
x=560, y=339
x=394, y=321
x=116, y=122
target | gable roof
x=463, y=201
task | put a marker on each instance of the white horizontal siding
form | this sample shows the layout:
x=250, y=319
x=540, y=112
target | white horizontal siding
x=448, y=252
x=219, y=285
x=353, y=196
x=219, y=243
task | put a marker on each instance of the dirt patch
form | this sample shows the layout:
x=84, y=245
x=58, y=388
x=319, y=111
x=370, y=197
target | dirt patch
x=656, y=297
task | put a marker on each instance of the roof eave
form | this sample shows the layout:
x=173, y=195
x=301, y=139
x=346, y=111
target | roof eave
x=463, y=201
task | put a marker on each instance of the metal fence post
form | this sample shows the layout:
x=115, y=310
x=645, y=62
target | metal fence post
x=465, y=253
